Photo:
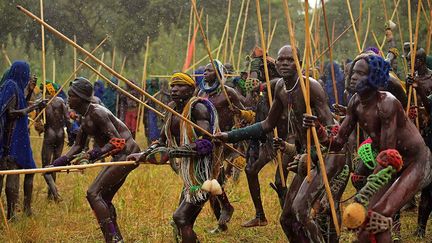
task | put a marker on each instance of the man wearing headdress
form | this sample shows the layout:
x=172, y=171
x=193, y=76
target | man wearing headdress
x=15, y=150
x=402, y=162
x=112, y=138
x=191, y=152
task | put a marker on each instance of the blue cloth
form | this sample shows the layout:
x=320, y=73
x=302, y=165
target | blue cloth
x=99, y=89
x=328, y=83
x=109, y=98
x=19, y=139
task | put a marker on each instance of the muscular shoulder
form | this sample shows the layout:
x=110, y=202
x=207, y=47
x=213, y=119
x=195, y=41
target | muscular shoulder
x=200, y=112
x=315, y=87
x=388, y=104
x=57, y=101
x=231, y=91
x=98, y=112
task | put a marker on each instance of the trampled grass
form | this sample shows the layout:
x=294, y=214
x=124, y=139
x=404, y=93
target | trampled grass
x=145, y=205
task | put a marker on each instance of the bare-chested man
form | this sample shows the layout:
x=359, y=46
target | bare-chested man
x=113, y=138
x=200, y=159
x=56, y=119
x=296, y=221
x=383, y=118
x=210, y=88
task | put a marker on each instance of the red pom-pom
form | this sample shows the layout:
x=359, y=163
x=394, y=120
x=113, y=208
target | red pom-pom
x=369, y=140
x=334, y=130
x=390, y=157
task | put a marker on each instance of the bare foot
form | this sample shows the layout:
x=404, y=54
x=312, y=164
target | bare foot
x=255, y=222
x=219, y=229
x=226, y=214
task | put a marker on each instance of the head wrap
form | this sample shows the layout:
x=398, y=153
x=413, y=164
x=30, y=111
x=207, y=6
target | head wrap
x=372, y=49
x=221, y=71
x=182, y=79
x=20, y=73
x=17, y=143
x=378, y=70
x=83, y=88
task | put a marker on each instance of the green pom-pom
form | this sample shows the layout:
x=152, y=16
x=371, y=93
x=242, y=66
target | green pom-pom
x=368, y=155
x=194, y=188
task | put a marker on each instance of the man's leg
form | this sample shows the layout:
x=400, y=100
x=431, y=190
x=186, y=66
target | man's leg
x=12, y=189
x=100, y=194
x=297, y=215
x=424, y=210
x=184, y=217
x=386, y=204
x=28, y=192
x=256, y=161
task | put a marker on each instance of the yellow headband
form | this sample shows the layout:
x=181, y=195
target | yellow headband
x=182, y=78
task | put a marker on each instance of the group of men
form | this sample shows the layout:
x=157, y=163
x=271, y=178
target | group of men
x=395, y=159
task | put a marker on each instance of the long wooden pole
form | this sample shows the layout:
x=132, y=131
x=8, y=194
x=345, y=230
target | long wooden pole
x=143, y=84
x=242, y=35
x=272, y=34
x=391, y=19
x=67, y=81
x=413, y=50
x=6, y=55
x=200, y=60
x=123, y=65
x=54, y=71
x=353, y=26
x=225, y=29
x=236, y=32
x=401, y=39
x=43, y=57
x=330, y=54
x=308, y=110
x=337, y=38
x=121, y=89
x=226, y=46
x=266, y=73
x=113, y=72
x=307, y=82
x=367, y=30
x=74, y=57
x=220, y=79
x=68, y=167
x=189, y=31
x=99, y=68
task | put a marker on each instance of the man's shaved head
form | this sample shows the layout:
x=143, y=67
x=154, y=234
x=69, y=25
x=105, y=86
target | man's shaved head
x=289, y=48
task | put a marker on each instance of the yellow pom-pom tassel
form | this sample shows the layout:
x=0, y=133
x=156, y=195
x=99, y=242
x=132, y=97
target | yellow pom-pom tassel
x=354, y=215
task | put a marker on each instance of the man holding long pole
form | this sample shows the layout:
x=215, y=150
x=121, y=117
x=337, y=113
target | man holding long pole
x=302, y=194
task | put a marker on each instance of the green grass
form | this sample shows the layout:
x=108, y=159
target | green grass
x=145, y=205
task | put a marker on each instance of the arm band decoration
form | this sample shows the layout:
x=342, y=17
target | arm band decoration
x=118, y=143
x=254, y=132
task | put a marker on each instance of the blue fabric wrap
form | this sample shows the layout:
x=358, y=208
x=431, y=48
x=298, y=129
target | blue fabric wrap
x=19, y=145
x=253, y=132
x=109, y=98
x=99, y=89
x=340, y=85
